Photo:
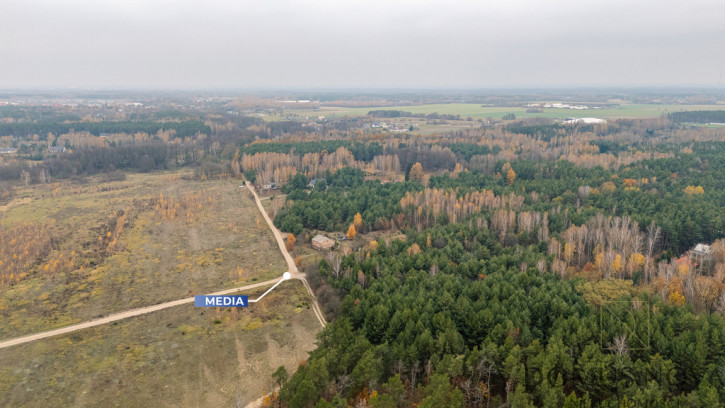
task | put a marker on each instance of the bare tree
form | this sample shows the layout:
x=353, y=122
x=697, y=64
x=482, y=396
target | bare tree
x=335, y=261
x=619, y=345
x=343, y=382
x=414, y=373
x=653, y=237
x=486, y=368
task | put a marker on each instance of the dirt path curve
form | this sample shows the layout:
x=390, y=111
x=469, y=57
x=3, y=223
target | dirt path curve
x=122, y=315
x=296, y=274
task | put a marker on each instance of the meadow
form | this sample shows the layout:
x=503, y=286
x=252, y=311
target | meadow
x=113, y=246
x=177, y=357
x=88, y=248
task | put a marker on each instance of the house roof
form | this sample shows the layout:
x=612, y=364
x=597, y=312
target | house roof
x=702, y=248
x=320, y=239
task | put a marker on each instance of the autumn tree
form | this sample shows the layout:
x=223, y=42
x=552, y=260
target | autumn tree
x=691, y=191
x=357, y=221
x=457, y=170
x=414, y=250
x=510, y=177
x=291, y=242
x=608, y=187
x=351, y=232
x=416, y=173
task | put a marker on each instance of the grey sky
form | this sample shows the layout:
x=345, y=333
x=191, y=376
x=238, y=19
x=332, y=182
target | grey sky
x=359, y=44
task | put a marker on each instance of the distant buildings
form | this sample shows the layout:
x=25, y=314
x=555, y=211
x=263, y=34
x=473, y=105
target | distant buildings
x=560, y=106
x=585, y=121
x=8, y=150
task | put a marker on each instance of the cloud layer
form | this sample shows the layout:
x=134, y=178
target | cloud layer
x=360, y=44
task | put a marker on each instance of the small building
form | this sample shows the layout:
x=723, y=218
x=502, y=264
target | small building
x=8, y=150
x=701, y=250
x=313, y=182
x=57, y=149
x=320, y=242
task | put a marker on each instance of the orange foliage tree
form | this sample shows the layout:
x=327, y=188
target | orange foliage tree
x=291, y=241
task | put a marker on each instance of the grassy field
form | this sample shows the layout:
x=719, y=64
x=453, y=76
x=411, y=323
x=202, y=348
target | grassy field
x=90, y=248
x=478, y=111
x=124, y=244
x=178, y=357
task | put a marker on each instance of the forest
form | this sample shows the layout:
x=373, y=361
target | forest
x=181, y=129
x=521, y=283
x=482, y=307
x=698, y=117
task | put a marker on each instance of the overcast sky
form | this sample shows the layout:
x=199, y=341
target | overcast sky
x=192, y=44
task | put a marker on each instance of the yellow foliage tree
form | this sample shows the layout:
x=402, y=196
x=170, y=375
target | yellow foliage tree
x=635, y=263
x=373, y=245
x=351, y=232
x=676, y=298
x=569, y=252
x=416, y=173
x=690, y=190
x=599, y=261
x=357, y=220
x=617, y=264
x=510, y=177
x=291, y=241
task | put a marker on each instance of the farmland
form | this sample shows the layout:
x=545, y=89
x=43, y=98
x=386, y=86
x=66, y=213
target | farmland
x=478, y=111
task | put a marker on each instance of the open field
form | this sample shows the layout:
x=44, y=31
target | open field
x=478, y=111
x=120, y=245
x=180, y=357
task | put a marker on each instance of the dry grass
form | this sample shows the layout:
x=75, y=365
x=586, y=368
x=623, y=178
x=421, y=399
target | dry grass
x=180, y=357
x=128, y=253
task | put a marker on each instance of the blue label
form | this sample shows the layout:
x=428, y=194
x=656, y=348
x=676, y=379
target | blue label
x=221, y=301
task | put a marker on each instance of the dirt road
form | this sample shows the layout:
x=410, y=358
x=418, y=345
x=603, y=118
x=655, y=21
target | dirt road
x=122, y=315
x=296, y=274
